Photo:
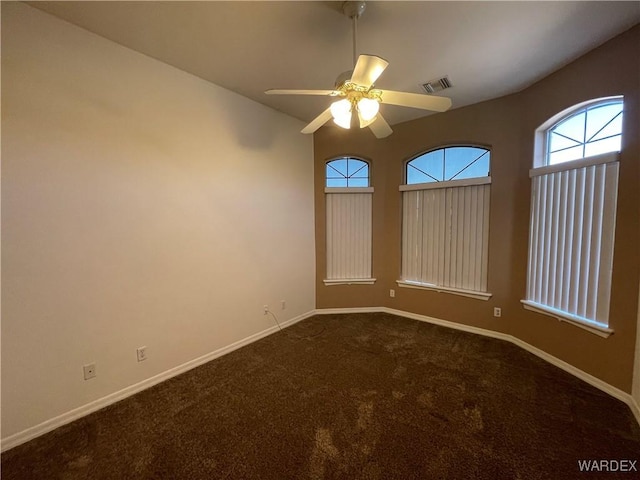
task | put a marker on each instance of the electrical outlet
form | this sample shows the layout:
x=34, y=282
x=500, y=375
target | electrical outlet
x=266, y=309
x=283, y=304
x=392, y=293
x=89, y=371
x=497, y=312
x=142, y=353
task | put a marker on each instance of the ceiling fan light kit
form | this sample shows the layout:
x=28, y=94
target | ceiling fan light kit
x=357, y=93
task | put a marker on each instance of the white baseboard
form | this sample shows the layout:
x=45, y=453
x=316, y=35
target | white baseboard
x=68, y=417
x=635, y=408
x=582, y=375
x=339, y=311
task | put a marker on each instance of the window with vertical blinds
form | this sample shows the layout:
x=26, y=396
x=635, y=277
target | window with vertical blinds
x=573, y=212
x=348, y=222
x=445, y=221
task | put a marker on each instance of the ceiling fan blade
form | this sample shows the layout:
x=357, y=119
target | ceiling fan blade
x=317, y=122
x=415, y=100
x=380, y=127
x=301, y=92
x=368, y=69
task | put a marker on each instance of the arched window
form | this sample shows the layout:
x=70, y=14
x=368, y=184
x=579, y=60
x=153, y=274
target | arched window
x=586, y=131
x=445, y=222
x=573, y=214
x=448, y=163
x=347, y=172
x=348, y=196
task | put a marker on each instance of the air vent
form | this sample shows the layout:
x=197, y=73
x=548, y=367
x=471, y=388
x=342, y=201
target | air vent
x=438, y=85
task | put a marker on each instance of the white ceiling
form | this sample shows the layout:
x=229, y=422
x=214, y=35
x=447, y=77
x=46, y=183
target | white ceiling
x=488, y=49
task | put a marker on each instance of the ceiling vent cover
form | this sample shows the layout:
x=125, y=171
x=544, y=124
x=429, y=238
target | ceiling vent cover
x=438, y=85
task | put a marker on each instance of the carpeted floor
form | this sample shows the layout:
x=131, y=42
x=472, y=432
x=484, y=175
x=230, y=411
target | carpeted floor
x=373, y=396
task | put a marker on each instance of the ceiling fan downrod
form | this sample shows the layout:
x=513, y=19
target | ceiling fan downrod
x=353, y=10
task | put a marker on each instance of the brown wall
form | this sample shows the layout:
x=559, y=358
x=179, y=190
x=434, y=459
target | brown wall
x=506, y=125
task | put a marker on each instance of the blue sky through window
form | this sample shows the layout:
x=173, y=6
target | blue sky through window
x=449, y=163
x=591, y=131
x=347, y=172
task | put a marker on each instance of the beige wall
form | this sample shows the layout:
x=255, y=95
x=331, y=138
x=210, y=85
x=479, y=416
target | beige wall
x=506, y=125
x=140, y=206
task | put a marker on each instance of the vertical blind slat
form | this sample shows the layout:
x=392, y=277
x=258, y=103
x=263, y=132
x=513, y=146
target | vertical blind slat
x=553, y=260
x=562, y=243
x=484, y=271
x=596, y=234
x=607, y=241
x=548, y=202
x=446, y=223
x=474, y=258
x=574, y=289
x=533, y=239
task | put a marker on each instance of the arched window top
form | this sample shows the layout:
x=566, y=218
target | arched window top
x=585, y=130
x=448, y=163
x=347, y=172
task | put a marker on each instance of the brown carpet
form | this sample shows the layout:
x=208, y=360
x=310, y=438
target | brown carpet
x=373, y=396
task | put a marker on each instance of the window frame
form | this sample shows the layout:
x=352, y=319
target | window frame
x=445, y=184
x=541, y=166
x=348, y=190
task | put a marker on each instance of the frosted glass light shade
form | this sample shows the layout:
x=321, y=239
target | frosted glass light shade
x=368, y=108
x=341, y=112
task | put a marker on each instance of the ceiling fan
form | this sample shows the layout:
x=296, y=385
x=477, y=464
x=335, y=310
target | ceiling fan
x=356, y=92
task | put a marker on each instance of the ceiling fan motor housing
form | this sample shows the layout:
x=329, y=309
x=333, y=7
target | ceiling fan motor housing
x=343, y=78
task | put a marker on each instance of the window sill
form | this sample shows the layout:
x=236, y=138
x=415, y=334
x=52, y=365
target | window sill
x=455, y=291
x=592, y=327
x=348, y=189
x=349, y=281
